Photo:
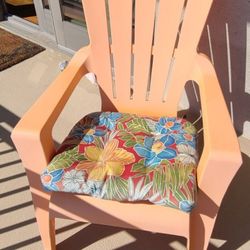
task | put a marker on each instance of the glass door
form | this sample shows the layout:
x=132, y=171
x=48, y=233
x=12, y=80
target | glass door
x=72, y=11
x=45, y=16
x=69, y=23
x=22, y=8
x=62, y=19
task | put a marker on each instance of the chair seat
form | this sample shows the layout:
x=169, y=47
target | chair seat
x=126, y=157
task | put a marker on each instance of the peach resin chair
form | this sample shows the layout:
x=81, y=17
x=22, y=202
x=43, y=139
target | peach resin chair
x=142, y=53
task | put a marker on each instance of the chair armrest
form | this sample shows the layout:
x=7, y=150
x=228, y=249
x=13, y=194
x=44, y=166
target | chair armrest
x=219, y=133
x=221, y=157
x=32, y=135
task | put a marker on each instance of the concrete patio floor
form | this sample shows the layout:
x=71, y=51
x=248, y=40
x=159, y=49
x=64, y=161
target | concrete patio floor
x=20, y=86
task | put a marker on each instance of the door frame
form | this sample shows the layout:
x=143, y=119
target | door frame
x=68, y=35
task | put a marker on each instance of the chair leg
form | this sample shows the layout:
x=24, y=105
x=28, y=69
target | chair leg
x=46, y=224
x=202, y=220
x=201, y=227
x=198, y=239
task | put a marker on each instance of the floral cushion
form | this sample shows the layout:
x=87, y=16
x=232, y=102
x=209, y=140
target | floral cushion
x=126, y=157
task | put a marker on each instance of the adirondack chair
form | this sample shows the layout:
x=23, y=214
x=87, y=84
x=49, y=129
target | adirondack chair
x=158, y=40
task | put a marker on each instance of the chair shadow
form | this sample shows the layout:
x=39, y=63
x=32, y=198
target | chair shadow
x=236, y=15
x=232, y=225
x=11, y=120
x=233, y=221
x=143, y=240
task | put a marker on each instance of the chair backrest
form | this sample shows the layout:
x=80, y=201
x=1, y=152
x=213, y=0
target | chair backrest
x=142, y=50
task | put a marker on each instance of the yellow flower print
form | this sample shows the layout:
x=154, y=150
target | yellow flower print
x=109, y=160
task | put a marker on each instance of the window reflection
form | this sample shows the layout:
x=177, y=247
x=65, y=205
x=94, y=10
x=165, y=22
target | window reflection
x=22, y=8
x=45, y=4
x=72, y=11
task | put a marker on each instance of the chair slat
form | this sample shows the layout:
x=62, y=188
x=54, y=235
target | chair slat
x=144, y=26
x=121, y=31
x=195, y=16
x=99, y=41
x=165, y=38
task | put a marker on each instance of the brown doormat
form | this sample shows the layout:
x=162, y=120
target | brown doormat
x=14, y=49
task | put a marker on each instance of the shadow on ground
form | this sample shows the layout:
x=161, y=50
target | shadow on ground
x=232, y=226
x=236, y=15
x=10, y=119
x=233, y=222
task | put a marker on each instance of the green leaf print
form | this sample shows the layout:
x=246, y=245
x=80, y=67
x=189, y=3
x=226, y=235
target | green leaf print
x=120, y=126
x=130, y=143
x=189, y=128
x=139, y=167
x=179, y=175
x=159, y=181
x=138, y=125
x=65, y=159
x=116, y=188
x=98, y=142
x=127, y=137
x=125, y=117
